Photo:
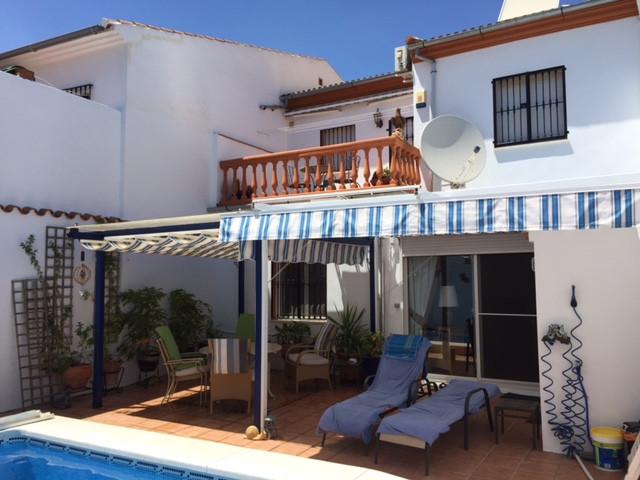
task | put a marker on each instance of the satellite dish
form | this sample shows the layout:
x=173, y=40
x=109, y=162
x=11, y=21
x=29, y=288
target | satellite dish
x=453, y=149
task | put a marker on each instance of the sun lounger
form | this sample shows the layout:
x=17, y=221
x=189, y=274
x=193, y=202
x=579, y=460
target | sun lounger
x=422, y=423
x=395, y=385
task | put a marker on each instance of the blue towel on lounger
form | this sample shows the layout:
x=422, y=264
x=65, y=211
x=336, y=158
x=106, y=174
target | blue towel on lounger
x=429, y=418
x=402, y=347
x=358, y=416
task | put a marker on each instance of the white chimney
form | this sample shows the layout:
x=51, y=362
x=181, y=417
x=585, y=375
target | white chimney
x=518, y=8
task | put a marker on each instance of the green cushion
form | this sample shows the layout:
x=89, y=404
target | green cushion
x=246, y=327
x=169, y=342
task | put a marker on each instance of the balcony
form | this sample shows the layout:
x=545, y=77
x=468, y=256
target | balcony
x=367, y=166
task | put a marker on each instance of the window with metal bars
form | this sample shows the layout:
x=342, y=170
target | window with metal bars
x=333, y=136
x=299, y=291
x=408, y=129
x=530, y=107
x=83, y=91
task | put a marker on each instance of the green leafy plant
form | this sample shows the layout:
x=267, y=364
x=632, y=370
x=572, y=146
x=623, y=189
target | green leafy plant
x=190, y=320
x=292, y=332
x=350, y=339
x=84, y=336
x=140, y=313
x=374, y=344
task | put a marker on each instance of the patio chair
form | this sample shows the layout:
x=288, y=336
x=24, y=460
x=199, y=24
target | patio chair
x=395, y=385
x=312, y=362
x=230, y=371
x=246, y=327
x=180, y=367
x=422, y=423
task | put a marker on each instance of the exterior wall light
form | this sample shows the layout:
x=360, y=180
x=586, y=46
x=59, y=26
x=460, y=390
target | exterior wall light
x=377, y=118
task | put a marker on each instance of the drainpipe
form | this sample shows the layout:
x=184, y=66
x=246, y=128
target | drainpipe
x=432, y=86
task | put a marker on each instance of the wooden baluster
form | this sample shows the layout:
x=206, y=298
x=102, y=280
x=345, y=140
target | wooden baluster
x=343, y=174
x=318, y=172
x=264, y=179
x=330, y=180
x=254, y=180
x=354, y=169
x=415, y=165
x=402, y=180
x=307, y=175
x=296, y=176
x=285, y=179
x=243, y=191
x=394, y=160
x=225, y=187
x=367, y=169
x=274, y=181
x=379, y=169
x=235, y=184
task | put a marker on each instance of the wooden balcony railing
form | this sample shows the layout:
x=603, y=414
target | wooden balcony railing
x=363, y=165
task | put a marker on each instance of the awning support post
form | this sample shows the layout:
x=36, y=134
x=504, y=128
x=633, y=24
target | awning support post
x=262, y=333
x=240, y=287
x=98, y=331
x=372, y=285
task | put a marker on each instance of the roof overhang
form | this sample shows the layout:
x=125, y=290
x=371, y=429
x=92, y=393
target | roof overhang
x=528, y=26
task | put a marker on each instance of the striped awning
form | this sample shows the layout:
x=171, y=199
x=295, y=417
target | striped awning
x=526, y=213
x=206, y=244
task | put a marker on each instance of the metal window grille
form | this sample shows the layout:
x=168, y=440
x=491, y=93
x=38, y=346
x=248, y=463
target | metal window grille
x=530, y=107
x=333, y=136
x=300, y=291
x=83, y=91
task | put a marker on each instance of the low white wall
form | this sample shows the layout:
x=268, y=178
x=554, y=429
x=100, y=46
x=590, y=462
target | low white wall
x=58, y=150
x=604, y=266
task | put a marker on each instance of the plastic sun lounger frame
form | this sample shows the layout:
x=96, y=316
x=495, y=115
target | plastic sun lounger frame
x=412, y=441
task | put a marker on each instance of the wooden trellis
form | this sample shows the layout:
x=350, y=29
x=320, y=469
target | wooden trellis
x=111, y=292
x=43, y=320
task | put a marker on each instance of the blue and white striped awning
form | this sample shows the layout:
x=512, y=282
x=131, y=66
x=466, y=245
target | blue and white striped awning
x=310, y=251
x=561, y=211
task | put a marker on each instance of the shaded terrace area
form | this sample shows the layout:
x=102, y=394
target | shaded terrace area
x=297, y=417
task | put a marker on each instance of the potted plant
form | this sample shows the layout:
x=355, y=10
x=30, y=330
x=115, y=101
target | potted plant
x=373, y=346
x=349, y=340
x=78, y=373
x=291, y=333
x=140, y=314
x=190, y=320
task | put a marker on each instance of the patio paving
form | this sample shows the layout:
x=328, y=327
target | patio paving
x=297, y=417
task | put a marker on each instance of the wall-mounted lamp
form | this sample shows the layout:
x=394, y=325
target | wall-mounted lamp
x=377, y=118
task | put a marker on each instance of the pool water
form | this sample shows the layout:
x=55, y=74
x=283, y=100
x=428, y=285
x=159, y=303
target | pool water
x=31, y=459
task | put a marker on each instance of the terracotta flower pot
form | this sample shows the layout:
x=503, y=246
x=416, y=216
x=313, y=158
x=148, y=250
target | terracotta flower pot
x=112, y=373
x=77, y=377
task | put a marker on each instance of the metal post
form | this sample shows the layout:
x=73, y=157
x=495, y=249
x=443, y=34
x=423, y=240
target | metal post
x=98, y=331
x=240, y=287
x=372, y=285
x=257, y=383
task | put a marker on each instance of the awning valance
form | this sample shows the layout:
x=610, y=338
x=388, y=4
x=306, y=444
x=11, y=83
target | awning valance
x=526, y=213
x=310, y=251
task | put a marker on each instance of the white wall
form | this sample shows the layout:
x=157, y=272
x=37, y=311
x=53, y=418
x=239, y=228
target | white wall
x=603, y=102
x=604, y=266
x=59, y=151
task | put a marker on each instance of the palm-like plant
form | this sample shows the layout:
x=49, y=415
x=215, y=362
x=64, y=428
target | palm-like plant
x=351, y=334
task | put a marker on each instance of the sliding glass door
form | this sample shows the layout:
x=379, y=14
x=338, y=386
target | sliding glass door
x=479, y=312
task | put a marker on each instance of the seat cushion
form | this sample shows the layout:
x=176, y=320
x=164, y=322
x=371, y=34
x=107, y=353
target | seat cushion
x=309, y=359
x=195, y=370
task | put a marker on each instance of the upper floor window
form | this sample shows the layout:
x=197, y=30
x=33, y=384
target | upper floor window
x=83, y=91
x=530, y=107
x=408, y=129
x=333, y=136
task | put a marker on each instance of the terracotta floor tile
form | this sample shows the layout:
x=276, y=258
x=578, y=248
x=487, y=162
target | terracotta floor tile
x=238, y=439
x=291, y=448
x=215, y=435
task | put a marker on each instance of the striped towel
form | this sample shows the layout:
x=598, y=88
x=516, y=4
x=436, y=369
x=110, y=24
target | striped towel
x=402, y=347
x=229, y=355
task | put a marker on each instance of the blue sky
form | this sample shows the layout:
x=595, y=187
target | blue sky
x=356, y=36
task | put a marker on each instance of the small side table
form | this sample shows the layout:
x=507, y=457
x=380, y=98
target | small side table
x=518, y=406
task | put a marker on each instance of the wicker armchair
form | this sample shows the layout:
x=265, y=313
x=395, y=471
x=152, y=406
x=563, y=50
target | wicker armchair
x=311, y=362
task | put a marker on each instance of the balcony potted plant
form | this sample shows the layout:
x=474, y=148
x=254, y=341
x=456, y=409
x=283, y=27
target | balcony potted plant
x=291, y=333
x=140, y=314
x=349, y=341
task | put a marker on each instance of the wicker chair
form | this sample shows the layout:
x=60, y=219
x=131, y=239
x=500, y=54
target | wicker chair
x=180, y=367
x=230, y=371
x=311, y=362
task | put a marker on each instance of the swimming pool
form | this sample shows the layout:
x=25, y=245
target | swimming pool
x=24, y=458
